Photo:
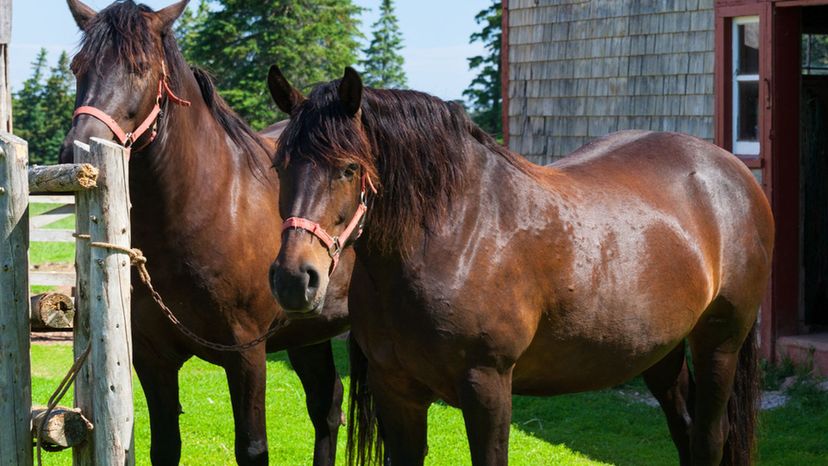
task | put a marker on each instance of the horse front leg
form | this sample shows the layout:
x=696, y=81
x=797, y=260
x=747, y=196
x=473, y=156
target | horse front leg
x=486, y=402
x=246, y=380
x=402, y=414
x=323, y=394
x=159, y=381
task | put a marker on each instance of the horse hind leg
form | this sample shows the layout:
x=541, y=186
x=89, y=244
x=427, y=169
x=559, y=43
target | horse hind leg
x=670, y=383
x=726, y=376
x=323, y=390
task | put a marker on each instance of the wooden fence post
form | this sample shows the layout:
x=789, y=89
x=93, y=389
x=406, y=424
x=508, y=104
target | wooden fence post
x=15, y=363
x=109, y=377
x=82, y=454
x=5, y=88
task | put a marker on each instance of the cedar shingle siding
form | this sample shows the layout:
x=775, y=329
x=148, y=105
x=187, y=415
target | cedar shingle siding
x=579, y=69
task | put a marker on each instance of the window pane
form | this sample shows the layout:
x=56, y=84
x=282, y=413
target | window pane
x=748, y=48
x=748, y=116
x=815, y=54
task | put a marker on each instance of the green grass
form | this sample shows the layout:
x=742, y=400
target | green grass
x=47, y=252
x=584, y=429
x=50, y=252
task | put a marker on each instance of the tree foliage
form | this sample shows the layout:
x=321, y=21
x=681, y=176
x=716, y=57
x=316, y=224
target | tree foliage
x=484, y=92
x=43, y=108
x=237, y=41
x=383, y=64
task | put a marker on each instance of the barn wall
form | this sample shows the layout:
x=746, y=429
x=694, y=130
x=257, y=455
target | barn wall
x=579, y=69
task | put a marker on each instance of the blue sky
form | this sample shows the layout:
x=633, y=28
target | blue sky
x=435, y=34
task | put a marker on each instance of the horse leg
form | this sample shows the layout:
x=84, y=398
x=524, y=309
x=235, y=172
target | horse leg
x=246, y=379
x=486, y=401
x=715, y=343
x=323, y=390
x=669, y=382
x=159, y=380
x=402, y=414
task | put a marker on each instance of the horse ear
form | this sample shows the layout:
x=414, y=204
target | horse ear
x=82, y=13
x=287, y=97
x=168, y=15
x=350, y=91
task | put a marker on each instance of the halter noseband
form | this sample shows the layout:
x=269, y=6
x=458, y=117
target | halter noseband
x=334, y=244
x=151, y=121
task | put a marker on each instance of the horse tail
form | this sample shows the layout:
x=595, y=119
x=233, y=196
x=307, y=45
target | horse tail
x=743, y=406
x=364, y=441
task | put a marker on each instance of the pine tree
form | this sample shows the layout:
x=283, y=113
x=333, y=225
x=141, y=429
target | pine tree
x=484, y=92
x=29, y=112
x=187, y=24
x=59, y=100
x=382, y=65
x=43, y=108
x=237, y=41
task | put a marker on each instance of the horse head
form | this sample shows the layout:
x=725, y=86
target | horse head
x=122, y=72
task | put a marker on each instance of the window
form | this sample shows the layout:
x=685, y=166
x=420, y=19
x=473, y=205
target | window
x=814, y=54
x=746, y=85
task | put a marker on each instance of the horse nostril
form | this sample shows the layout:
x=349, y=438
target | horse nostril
x=313, y=278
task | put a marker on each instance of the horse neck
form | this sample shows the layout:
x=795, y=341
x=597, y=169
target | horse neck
x=190, y=165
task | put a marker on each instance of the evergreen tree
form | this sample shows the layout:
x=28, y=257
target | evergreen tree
x=59, y=101
x=29, y=112
x=43, y=108
x=237, y=41
x=484, y=92
x=187, y=24
x=382, y=66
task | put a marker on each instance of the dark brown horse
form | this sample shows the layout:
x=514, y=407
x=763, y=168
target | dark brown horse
x=202, y=214
x=481, y=275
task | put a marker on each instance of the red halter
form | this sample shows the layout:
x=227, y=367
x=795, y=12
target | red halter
x=334, y=243
x=128, y=138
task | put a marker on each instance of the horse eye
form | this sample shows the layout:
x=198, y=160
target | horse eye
x=350, y=170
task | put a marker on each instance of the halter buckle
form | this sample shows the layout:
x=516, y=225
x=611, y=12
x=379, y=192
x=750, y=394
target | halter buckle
x=128, y=141
x=335, y=249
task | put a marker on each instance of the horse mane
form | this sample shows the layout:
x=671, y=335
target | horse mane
x=124, y=27
x=416, y=146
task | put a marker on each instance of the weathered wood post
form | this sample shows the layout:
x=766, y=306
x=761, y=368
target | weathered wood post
x=5, y=89
x=15, y=363
x=106, y=304
x=83, y=397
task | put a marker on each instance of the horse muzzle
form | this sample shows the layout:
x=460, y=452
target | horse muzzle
x=300, y=290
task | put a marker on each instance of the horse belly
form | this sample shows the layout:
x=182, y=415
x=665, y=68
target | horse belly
x=570, y=358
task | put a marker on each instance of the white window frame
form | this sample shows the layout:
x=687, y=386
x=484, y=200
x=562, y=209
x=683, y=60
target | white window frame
x=741, y=147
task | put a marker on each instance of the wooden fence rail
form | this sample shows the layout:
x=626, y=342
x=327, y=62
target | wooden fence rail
x=103, y=389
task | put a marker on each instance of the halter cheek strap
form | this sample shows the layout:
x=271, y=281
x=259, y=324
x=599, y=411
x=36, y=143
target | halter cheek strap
x=151, y=121
x=334, y=243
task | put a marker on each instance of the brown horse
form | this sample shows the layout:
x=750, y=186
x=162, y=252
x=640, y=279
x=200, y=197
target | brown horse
x=203, y=217
x=481, y=275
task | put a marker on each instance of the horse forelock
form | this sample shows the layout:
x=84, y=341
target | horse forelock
x=417, y=146
x=124, y=27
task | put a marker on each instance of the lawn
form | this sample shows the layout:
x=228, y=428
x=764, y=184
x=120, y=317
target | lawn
x=591, y=428
x=584, y=429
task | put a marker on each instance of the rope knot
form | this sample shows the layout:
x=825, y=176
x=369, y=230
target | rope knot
x=137, y=257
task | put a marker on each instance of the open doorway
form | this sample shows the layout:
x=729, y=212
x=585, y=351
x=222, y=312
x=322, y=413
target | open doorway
x=814, y=168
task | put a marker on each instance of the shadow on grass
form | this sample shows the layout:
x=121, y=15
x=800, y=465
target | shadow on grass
x=603, y=426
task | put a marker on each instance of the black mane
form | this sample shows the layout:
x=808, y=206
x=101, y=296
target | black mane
x=416, y=145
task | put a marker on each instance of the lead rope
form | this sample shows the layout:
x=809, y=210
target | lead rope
x=58, y=394
x=138, y=259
